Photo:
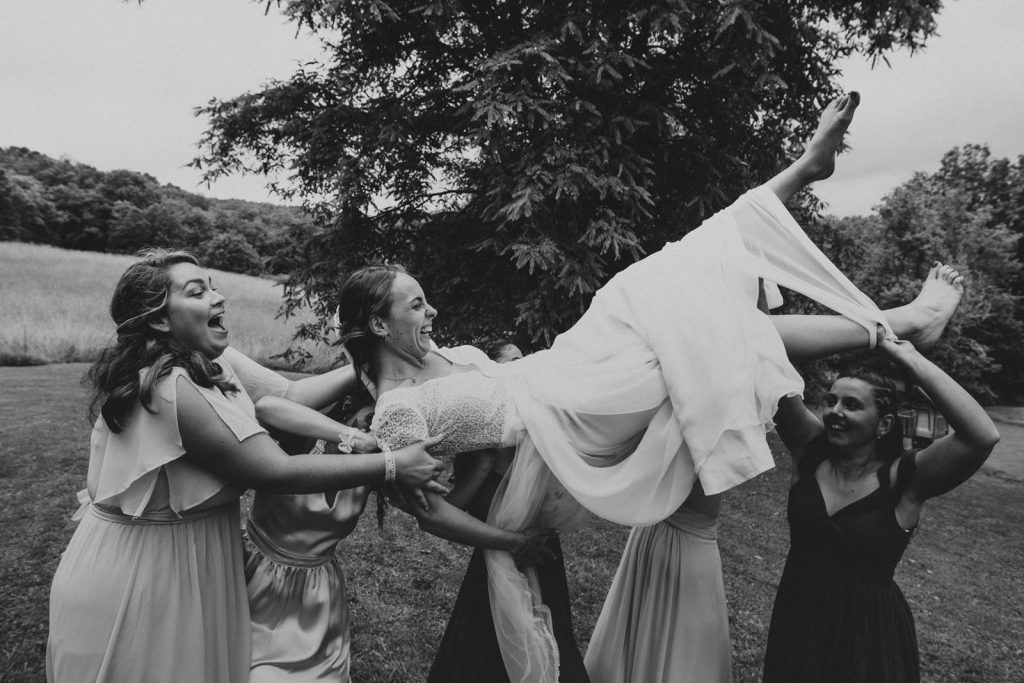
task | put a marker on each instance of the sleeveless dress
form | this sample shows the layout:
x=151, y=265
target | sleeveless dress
x=151, y=585
x=469, y=651
x=838, y=614
x=672, y=375
x=297, y=598
x=296, y=588
x=665, y=618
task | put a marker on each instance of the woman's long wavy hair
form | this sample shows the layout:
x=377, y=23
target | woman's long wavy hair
x=364, y=294
x=140, y=298
x=886, y=395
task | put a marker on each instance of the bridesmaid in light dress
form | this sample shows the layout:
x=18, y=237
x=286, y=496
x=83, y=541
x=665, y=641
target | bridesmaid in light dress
x=297, y=593
x=151, y=586
x=296, y=586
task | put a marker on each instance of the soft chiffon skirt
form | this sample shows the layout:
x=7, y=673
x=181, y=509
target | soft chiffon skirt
x=469, y=651
x=828, y=624
x=151, y=600
x=300, y=618
x=665, y=618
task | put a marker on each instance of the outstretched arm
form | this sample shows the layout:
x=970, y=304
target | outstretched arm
x=288, y=416
x=258, y=463
x=951, y=460
x=319, y=391
x=471, y=470
x=796, y=426
x=449, y=522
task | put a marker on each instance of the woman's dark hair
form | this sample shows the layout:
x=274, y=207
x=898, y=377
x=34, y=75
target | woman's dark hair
x=886, y=394
x=364, y=294
x=139, y=299
x=495, y=348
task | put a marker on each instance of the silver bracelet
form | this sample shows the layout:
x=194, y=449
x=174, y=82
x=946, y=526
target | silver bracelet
x=390, y=470
x=347, y=439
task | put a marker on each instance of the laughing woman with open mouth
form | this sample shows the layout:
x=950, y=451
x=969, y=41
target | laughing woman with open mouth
x=151, y=586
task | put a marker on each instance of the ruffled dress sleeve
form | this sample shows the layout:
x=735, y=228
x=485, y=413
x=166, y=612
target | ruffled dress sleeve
x=124, y=468
x=257, y=380
x=467, y=355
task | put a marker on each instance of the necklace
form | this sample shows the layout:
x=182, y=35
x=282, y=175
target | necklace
x=839, y=476
x=411, y=378
x=400, y=379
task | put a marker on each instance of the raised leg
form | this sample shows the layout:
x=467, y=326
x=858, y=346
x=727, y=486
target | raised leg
x=921, y=321
x=819, y=158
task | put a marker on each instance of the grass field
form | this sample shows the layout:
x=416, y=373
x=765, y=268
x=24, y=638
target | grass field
x=53, y=307
x=961, y=574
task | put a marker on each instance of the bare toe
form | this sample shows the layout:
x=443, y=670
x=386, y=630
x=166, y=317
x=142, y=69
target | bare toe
x=935, y=305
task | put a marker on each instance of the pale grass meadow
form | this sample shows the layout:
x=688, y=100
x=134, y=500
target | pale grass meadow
x=54, y=308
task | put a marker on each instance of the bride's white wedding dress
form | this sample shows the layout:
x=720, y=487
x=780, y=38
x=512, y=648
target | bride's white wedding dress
x=672, y=374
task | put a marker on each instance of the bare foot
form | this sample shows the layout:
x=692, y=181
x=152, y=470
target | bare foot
x=923, y=320
x=819, y=158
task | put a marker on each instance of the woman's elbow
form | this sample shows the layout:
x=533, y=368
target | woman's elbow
x=981, y=445
x=989, y=440
x=263, y=406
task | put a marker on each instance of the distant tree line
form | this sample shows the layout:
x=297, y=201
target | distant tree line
x=71, y=205
x=969, y=213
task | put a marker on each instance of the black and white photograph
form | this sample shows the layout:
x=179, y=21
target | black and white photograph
x=511, y=341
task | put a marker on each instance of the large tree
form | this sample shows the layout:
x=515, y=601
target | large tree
x=517, y=153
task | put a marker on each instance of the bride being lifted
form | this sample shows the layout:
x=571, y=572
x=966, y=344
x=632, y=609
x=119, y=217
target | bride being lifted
x=672, y=375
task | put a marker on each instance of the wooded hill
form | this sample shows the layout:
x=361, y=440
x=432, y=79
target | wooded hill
x=75, y=206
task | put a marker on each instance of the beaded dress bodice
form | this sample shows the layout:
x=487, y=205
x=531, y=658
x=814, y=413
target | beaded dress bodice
x=470, y=409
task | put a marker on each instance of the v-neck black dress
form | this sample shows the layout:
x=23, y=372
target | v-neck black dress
x=838, y=614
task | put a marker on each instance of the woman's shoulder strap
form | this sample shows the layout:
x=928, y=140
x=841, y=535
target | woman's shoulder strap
x=905, y=468
x=905, y=472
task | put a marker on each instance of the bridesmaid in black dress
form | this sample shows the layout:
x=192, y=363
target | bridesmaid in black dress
x=853, y=506
x=469, y=651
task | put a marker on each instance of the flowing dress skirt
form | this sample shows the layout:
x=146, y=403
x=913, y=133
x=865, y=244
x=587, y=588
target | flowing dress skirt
x=665, y=618
x=300, y=618
x=469, y=651
x=153, y=600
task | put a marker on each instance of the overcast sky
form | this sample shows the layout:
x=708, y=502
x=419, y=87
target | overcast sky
x=113, y=85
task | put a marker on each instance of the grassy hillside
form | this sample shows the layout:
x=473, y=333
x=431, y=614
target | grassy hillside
x=961, y=573
x=53, y=304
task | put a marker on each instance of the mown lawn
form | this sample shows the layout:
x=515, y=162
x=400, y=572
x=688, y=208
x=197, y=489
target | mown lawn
x=962, y=573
